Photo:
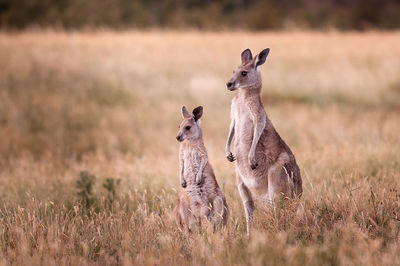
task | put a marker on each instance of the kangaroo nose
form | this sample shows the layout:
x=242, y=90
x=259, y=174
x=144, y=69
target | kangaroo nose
x=229, y=84
x=178, y=138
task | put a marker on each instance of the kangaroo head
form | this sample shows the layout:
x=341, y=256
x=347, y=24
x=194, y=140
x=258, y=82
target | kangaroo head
x=247, y=75
x=190, y=126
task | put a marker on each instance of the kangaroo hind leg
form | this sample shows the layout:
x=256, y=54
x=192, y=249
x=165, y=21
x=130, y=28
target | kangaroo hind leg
x=183, y=213
x=248, y=203
x=218, y=215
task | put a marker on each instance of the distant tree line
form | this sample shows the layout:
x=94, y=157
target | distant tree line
x=201, y=14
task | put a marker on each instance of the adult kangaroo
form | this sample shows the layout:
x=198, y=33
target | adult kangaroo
x=265, y=165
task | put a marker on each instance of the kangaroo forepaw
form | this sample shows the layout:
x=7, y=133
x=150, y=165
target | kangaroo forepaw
x=199, y=179
x=253, y=163
x=253, y=166
x=230, y=157
x=183, y=183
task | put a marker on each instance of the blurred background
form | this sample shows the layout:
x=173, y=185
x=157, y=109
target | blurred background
x=201, y=14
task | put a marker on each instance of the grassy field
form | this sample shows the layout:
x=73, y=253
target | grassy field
x=88, y=156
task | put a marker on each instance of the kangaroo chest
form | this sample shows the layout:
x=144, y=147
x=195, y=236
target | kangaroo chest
x=243, y=124
x=191, y=163
x=244, y=128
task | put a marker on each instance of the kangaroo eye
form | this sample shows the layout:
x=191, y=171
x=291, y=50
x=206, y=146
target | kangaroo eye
x=244, y=73
x=187, y=128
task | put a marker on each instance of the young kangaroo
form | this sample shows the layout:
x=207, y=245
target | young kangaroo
x=201, y=196
x=265, y=166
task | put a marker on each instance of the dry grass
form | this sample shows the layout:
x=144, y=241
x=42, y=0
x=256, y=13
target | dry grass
x=109, y=103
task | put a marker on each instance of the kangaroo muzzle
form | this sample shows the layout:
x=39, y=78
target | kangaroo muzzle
x=230, y=85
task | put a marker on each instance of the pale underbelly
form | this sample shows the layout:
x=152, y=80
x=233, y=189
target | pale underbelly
x=198, y=199
x=256, y=180
x=256, y=184
x=259, y=191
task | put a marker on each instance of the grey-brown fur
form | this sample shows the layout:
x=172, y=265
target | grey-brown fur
x=265, y=165
x=200, y=196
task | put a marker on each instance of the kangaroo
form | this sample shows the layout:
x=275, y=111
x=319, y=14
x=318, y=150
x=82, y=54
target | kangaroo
x=200, y=196
x=265, y=165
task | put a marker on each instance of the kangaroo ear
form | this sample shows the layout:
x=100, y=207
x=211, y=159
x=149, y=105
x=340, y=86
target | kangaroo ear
x=185, y=113
x=197, y=112
x=246, y=56
x=261, y=57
